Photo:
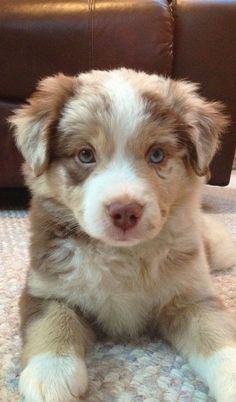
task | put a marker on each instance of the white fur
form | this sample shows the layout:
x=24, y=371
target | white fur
x=128, y=186
x=219, y=372
x=128, y=108
x=53, y=378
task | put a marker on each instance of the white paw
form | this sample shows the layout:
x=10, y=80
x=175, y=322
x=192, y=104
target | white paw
x=219, y=372
x=52, y=378
x=224, y=387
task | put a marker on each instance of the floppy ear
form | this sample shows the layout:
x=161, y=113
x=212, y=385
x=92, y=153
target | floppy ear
x=33, y=121
x=204, y=124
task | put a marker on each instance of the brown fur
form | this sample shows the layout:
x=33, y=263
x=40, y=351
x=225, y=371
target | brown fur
x=44, y=108
x=52, y=223
x=197, y=326
x=31, y=308
x=57, y=330
x=201, y=138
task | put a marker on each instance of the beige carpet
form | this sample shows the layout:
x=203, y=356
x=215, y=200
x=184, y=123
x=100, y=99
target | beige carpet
x=147, y=370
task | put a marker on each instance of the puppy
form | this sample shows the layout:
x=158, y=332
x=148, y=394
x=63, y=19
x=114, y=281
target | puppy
x=116, y=161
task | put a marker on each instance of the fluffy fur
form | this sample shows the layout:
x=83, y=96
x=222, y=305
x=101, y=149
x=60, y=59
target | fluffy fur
x=89, y=274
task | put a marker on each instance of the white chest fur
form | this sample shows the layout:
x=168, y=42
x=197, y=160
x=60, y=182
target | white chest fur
x=117, y=287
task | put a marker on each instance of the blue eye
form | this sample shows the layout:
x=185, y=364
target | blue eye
x=156, y=155
x=86, y=156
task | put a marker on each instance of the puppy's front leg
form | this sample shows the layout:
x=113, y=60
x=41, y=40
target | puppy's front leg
x=202, y=328
x=55, y=341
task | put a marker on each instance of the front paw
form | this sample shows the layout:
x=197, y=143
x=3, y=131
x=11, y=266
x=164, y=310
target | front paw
x=53, y=378
x=219, y=371
x=224, y=382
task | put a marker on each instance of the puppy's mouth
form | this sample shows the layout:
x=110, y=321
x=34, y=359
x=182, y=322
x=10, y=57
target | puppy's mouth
x=125, y=238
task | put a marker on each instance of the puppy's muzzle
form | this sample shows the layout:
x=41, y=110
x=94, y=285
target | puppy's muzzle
x=125, y=215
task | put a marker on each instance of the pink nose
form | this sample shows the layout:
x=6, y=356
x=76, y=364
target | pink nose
x=125, y=216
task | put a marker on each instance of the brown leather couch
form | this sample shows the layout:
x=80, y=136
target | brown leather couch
x=184, y=39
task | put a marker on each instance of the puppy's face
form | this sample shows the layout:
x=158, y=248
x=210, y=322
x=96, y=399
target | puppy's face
x=118, y=148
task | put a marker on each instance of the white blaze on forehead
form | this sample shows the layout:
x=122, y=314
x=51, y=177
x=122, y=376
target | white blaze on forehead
x=126, y=112
x=127, y=107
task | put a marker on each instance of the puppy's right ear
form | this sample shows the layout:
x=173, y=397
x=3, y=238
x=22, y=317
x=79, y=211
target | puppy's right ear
x=32, y=122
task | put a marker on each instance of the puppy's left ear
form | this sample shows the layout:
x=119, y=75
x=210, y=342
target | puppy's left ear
x=205, y=122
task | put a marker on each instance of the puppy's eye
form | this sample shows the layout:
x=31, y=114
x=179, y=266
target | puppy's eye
x=86, y=156
x=156, y=155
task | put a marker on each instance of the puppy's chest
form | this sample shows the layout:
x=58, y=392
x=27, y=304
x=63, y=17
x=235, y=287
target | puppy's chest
x=116, y=288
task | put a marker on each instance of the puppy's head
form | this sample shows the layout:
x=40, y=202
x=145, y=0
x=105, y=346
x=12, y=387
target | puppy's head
x=118, y=148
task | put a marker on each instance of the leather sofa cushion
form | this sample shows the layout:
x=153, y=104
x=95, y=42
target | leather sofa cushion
x=40, y=38
x=205, y=38
x=10, y=159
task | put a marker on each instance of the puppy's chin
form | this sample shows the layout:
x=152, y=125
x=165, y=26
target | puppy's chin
x=125, y=242
x=118, y=238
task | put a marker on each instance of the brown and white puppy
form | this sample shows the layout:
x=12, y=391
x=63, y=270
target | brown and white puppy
x=114, y=161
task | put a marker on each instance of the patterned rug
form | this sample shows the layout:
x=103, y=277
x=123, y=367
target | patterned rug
x=147, y=370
